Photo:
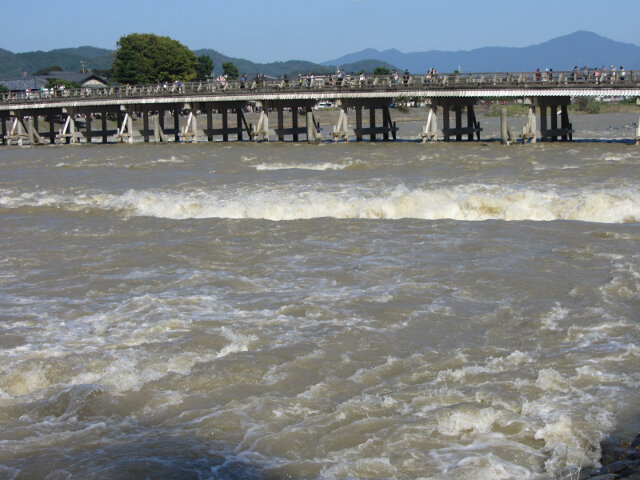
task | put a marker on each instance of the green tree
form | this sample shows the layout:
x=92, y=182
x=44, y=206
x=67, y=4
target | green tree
x=381, y=71
x=229, y=69
x=3, y=89
x=54, y=82
x=44, y=71
x=144, y=58
x=204, y=67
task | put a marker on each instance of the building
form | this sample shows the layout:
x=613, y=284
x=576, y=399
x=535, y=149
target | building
x=35, y=82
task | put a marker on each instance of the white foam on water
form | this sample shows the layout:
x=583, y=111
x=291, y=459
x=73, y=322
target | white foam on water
x=302, y=166
x=239, y=342
x=171, y=159
x=463, y=202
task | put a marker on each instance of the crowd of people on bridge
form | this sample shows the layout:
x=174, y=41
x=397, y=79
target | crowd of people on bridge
x=586, y=74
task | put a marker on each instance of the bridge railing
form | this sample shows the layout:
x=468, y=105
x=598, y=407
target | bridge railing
x=329, y=83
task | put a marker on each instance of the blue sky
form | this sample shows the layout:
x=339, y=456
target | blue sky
x=280, y=30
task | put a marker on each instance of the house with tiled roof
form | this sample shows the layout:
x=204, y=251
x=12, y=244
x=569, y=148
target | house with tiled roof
x=35, y=82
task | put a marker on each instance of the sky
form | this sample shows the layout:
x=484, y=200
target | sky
x=266, y=31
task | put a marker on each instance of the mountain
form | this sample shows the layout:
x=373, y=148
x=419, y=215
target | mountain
x=15, y=64
x=275, y=69
x=562, y=53
x=291, y=67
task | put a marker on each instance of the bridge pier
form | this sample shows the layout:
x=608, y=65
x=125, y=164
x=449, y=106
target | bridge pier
x=430, y=131
x=551, y=104
x=103, y=121
x=190, y=130
x=17, y=132
x=145, y=126
x=311, y=128
x=340, y=129
x=263, y=124
x=88, y=126
x=223, y=108
x=3, y=130
x=69, y=133
x=529, y=130
x=388, y=126
x=176, y=124
x=458, y=103
x=125, y=123
x=209, y=113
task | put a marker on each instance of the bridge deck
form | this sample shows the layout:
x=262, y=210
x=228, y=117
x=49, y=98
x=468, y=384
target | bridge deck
x=473, y=85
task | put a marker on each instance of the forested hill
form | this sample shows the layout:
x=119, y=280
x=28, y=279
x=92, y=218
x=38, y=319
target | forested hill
x=16, y=64
x=562, y=53
x=69, y=59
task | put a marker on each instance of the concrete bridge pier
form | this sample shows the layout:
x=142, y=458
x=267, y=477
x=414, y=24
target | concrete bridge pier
x=340, y=129
x=17, y=132
x=69, y=132
x=430, y=131
x=190, y=130
x=263, y=123
x=125, y=125
x=529, y=130
x=32, y=131
x=551, y=105
x=313, y=128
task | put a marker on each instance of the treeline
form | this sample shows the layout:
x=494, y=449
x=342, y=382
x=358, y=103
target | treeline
x=158, y=64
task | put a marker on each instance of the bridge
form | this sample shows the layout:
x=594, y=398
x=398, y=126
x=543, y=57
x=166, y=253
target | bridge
x=72, y=115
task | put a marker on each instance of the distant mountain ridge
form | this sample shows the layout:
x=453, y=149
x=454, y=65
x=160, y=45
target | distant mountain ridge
x=562, y=53
x=579, y=49
x=15, y=64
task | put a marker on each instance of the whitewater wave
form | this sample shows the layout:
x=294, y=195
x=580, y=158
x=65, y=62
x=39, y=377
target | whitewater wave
x=464, y=202
x=302, y=166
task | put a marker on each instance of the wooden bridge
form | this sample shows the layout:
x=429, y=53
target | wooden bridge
x=72, y=115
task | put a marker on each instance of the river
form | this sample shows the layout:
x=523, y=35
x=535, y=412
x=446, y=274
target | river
x=350, y=310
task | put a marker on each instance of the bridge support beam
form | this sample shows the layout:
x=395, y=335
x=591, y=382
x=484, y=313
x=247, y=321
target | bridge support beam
x=190, y=130
x=209, y=112
x=32, y=131
x=311, y=128
x=3, y=130
x=340, y=129
x=430, y=131
x=551, y=104
x=223, y=108
x=382, y=104
x=158, y=128
x=507, y=136
x=458, y=104
x=313, y=134
x=125, y=124
x=529, y=130
x=17, y=132
x=103, y=122
x=176, y=124
x=145, y=126
x=69, y=132
x=88, y=117
x=263, y=124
